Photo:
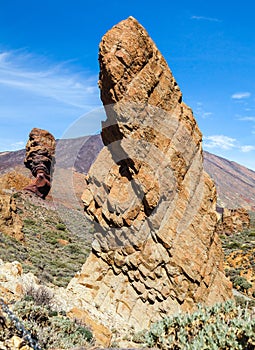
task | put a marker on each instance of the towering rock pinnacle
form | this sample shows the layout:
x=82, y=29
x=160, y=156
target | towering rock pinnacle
x=156, y=251
x=40, y=159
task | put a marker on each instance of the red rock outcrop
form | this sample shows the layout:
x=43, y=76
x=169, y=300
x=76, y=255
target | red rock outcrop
x=232, y=220
x=40, y=159
x=156, y=250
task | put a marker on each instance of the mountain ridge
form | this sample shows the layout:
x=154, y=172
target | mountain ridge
x=234, y=182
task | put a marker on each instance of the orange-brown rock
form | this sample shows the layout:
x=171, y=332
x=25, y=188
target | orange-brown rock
x=40, y=159
x=13, y=181
x=232, y=220
x=101, y=334
x=156, y=251
x=10, y=222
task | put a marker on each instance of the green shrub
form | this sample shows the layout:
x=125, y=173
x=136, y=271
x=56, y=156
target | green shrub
x=223, y=326
x=242, y=283
x=29, y=222
x=251, y=233
x=61, y=227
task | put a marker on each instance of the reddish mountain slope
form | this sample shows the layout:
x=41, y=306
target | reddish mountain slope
x=235, y=183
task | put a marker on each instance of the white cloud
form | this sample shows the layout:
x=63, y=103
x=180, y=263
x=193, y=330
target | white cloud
x=219, y=141
x=247, y=148
x=18, y=144
x=203, y=18
x=225, y=143
x=248, y=119
x=25, y=72
x=241, y=95
x=200, y=111
x=11, y=145
x=36, y=92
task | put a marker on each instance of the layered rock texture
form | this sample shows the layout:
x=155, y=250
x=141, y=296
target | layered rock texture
x=232, y=220
x=40, y=159
x=156, y=251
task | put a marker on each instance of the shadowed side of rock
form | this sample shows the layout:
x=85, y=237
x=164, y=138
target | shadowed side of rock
x=156, y=251
x=40, y=159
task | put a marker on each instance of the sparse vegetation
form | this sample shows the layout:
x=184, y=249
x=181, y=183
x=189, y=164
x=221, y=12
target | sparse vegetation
x=223, y=326
x=40, y=295
x=242, y=283
x=49, y=328
x=239, y=252
x=61, y=227
x=51, y=251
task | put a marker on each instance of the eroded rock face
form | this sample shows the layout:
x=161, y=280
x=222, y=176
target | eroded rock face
x=233, y=221
x=13, y=181
x=40, y=159
x=10, y=222
x=156, y=251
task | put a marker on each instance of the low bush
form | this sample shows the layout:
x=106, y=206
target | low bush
x=223, y=326
x=51, y=329
x=241, y=283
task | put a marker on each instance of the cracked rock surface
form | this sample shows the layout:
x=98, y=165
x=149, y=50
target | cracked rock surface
x=156, y=250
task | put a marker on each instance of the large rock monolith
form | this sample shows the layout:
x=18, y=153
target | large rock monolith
x=156, y=251
x=40, y=159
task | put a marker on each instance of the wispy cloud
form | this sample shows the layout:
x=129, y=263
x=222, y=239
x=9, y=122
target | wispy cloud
x=247, y=148
x=241, y=95
x=200, y=111
x=9, y=145
x=204, y=18
x=36, y=92
x=22, y=71
x=248, y=119
x=219, y=141
x=226, y=143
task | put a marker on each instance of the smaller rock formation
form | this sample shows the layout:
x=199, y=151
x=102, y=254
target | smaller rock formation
x=10, y=222
x=232, y=220
x=40, y=159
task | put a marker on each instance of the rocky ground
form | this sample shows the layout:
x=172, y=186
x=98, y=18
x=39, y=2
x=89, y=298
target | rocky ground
x=54, y=250
x=239, y=252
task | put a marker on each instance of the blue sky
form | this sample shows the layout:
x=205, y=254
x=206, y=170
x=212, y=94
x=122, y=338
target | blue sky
x=49, y=65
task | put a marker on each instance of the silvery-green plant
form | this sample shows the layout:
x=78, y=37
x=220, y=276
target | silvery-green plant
x=222, y=326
